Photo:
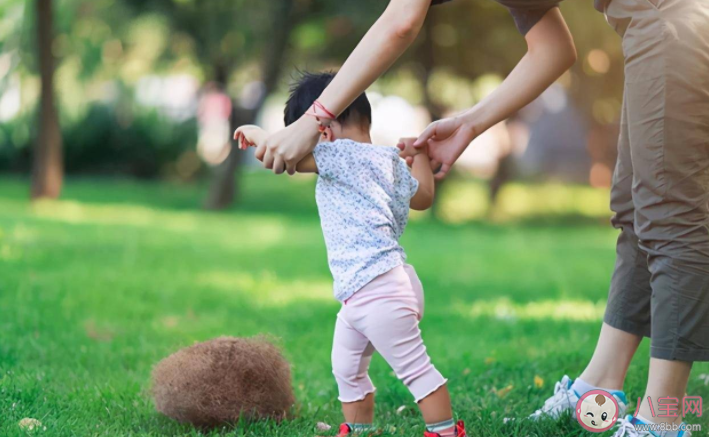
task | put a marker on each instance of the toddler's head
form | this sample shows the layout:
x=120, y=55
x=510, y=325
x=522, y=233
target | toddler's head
x=354, y=122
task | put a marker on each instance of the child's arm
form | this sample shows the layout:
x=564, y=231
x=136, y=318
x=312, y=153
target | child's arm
x=421, y=171
x=252, y=136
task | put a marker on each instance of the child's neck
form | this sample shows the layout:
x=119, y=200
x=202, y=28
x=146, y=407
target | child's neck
x=356, y=134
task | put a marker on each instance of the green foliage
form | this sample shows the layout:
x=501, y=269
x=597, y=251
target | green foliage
x=107, y=141
x=14, y=144
x=102, y=143
x=111, y=44
x=95, y=289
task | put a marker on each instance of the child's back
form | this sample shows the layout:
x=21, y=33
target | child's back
x=363, y=194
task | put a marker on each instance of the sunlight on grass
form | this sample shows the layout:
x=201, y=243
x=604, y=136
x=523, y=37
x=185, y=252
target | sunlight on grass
x=131, y=215
x=263, y=232
x=505, y=309
x=463, y=201
x=22, y=233
x=518, y=200
x=12, y=241
x=265, y=287
x=476, y=204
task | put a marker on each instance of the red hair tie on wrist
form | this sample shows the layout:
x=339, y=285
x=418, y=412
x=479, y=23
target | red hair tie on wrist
x=322, y=115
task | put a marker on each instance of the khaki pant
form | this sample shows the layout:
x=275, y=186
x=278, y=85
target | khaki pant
x=660, y=194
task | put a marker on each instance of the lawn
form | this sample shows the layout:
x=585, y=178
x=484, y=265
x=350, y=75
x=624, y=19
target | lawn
x=98, y=287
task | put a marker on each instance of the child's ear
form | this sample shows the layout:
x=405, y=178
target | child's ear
x=328, y=135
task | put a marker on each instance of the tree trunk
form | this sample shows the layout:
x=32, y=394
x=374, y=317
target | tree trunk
x=47, y=166
x=224, y=189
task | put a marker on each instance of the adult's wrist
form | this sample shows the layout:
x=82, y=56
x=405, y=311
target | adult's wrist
x=309, y=125
x=475, y=119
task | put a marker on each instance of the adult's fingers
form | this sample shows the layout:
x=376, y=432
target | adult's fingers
x=427, y=134
x=260, y=152
x=268, y=159
x=278, y=164
x=291, y=167
x=443, y=172
x=435, y=165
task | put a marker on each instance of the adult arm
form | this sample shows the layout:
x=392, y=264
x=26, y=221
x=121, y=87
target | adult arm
x=550, y=52
x=385, y=41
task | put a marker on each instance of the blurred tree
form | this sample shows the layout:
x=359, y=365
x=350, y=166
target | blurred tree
x=117, y=55
x=240, y=46
x=47, y=168
x=285, y=16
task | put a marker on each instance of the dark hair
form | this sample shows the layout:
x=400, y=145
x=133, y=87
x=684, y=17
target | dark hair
x=308, y=88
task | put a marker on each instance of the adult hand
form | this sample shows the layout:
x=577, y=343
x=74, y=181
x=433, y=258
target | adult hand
x=283, y=150
x=446, y=140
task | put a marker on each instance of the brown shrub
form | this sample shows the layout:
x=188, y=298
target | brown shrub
x=220, y=380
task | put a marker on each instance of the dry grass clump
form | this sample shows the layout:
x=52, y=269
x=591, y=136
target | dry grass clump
x=220, y=380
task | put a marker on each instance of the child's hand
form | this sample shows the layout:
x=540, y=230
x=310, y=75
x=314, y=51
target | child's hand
x=408, y=151
x=249, y=136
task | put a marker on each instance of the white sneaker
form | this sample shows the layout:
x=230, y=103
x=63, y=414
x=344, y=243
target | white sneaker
x=627, y=428
x=565, y=398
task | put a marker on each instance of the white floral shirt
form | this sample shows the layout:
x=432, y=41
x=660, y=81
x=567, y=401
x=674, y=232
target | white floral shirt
x=363, y=193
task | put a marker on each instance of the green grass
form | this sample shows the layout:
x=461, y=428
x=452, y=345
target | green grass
x=98, y=287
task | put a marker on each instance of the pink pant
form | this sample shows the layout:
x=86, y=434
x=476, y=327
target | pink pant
x=383, y=316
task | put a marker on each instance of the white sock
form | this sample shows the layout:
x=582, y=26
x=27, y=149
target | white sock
x=359, y=428
x=643, y=419
x=444, y=429
x=580, y=386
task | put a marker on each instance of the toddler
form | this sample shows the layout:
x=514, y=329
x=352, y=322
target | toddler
x=363, y=194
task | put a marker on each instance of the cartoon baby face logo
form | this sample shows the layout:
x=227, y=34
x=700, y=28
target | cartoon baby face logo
x=597, y=411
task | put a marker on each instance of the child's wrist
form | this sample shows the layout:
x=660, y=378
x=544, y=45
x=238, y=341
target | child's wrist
x=421, y=156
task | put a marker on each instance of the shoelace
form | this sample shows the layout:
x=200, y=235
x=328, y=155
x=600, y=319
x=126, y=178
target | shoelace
x=557, y=402
x=460, y=429
x=627, y=429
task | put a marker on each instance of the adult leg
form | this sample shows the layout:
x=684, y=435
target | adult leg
x=667, y=379
x=611, y=359
x=667, y=85
x=627, y=317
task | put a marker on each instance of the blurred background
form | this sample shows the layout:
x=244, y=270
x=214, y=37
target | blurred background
x=152, y=90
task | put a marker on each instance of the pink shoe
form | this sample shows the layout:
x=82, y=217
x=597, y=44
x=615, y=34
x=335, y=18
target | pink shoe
x=345, y=430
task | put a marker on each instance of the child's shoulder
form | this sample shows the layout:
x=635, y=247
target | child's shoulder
x=339, y=159
x=347, y=146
